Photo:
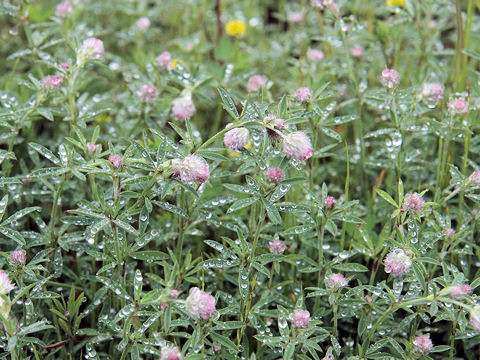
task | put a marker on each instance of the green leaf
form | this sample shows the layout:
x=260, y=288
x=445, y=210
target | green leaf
x=385, y=196
x=240, y=204
x=272, y=212
x=228, y=103
x=222, y=340
x=350, y=267
x=150, y=255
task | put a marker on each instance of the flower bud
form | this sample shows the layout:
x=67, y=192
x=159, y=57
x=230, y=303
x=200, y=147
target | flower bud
x=17, y=258
x=147, y=93
x=458, y=106
x=474, y=179
x=275, y=174
x=300, y=318
x=63, y=10
x=115, y=160
x=199, y=304
x=422, y=344
x=329, y=202
x=315, y=55
x=143, y=24
x=413, y=203
x=450, y=232
x=92, y=48
x=390, y=78
x=432, y=93
x=277, y=247
x=357, y=51
x=164, y=61
x=52, y=81
x=304, y=94
x=92, y=148
x=335, y=281
x=295, y=16
x=257, y=82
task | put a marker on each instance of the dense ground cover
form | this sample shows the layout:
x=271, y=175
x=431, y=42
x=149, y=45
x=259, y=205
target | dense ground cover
x=268, y=179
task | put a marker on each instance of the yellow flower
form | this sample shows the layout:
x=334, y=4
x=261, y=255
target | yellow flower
x=235, y=28
x=105, y=118
x=396, y=3
x=233, y=154
x=175, y=62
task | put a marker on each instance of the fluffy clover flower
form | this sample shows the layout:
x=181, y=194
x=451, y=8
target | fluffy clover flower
x=63, y=10
x=275, y=174
x=413, y=202
x=449, y=232
x=257, y=82
x=236, y=138
x=92, y=48
x=335, y=281
x=357, y=51
x=457, y=291
x=143, y=24
x=199, y=304
x=304, y=94
x=116, y=161
x=315, y=55
x=422, y=344
x=52, y=81
x=5, y=284
x=475, y=178
x=171, y=352
x=235, y=28
x=297, y=145
x=147, y=93
x=432, y=92
x=329, y=202
x=92, y=148
x=475, y=318
x=300, y=318
x=164, y=61
x=17, y=258
x=458, y=106
x=397, y=263
x=325, y=4
x=183, y=107
x=277, y=246
x=390, y=78
x=295, y=16
x=193, y=169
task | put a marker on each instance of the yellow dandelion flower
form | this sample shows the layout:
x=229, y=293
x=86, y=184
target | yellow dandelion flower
x=396, y=3
x=233, y=154
x=175, y=62
x=235, y=28
x=105, y=118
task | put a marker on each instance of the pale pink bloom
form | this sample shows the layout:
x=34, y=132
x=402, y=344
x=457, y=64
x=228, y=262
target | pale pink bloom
x=300, y=318
x=199, y=304
x=275, y=174
x=357, y=51
x=315, y=55
x=475, y=318
x=449, y=232
x=423, y=344
x=458, y=106
x=174, y=293
x=92, y=48
x=277, y=246
x=189, y=46
x=175, y=168
x=17, y=258
x=164, y=61
x=329, y=202
x=280, y=124
x=304, y=94
x=295, y=16
x=147, y=93
x=432, y=93
x=5, y=284
x=297, y=145
x=236, y=138
x=63, y=10
x=390, y=78
x=115, y=160
x=455, y=292
x=257, y=82
x=52, y=81
x=65, y=65
x=325, y=4
x=413, y=202
x=467, y=289
x=92, y=148
x=335, y=281
x=475, y=178
x=171, y=352
x=217, y=347
x=143, y=24
x=397, y=263
x=183, y=107
x=193, y=169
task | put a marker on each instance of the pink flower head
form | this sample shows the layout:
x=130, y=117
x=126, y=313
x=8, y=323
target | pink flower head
x=449, y=232
x=390, y=78
x=277, y=246
x=193, y=169
x=174, y=293
x=315, y=55
x=455, y=292
x=257, y=82
x=475, y=178
x=92, y=48
x=367, y=299
x=300, y=318
x=467, y=289
x=280, y=124
x=397, y=263
x=432, y=93
x=458, y=106
x=65, y=65
x=199, y=304
x=143, y=24
x=52, y=81
x=304, y=94
x=297, y=145
x=164, y=61
x=183, y=107
x=115, y=160
x=92, y=148
x=63, y=10
x=275, y=174
x=295, y=16
x=17, y=258
x=147, y=93
x=357, y=51
x=329, y=202
x=422, y=344
x=171, y=353
x=217, y=347
x=236, y=138
x=5, y=284
x=325, y=4
x=413, y=202
x=175, y=167
x=335, y=281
